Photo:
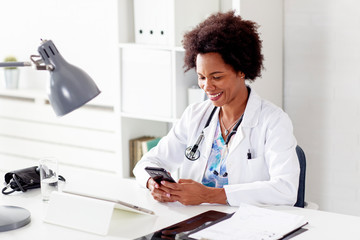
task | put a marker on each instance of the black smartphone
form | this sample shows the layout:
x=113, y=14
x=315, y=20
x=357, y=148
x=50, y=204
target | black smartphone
x=159, y=174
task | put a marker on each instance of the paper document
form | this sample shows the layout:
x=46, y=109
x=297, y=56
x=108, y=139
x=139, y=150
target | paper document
x=250, y=222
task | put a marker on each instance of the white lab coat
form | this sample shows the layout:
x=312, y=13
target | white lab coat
x=271, y=177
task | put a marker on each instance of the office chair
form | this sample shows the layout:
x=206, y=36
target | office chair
x=301, y=190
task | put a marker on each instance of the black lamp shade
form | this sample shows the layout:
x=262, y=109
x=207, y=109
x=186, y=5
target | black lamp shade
x=70, y=87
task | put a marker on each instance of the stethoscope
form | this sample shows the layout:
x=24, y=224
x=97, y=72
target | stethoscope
x=192, y=153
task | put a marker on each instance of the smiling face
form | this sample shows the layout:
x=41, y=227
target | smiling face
x=222, y=84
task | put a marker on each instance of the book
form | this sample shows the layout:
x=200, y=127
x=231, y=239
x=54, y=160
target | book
x=136, y=150
x=147, y=145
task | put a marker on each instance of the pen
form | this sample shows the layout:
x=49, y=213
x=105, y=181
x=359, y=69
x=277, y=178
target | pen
x=249, y=154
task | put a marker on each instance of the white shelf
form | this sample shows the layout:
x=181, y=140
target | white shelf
x=25, y=94
x=40, y=97
x=153, y=84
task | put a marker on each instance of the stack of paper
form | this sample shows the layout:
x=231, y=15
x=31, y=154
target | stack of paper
x=250, y=222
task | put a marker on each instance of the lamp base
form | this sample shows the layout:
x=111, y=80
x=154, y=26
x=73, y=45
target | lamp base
x=12, y=217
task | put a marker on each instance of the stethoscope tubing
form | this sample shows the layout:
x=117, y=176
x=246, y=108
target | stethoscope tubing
x=192, y=152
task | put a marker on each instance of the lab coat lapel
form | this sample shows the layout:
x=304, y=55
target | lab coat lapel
x=237, y=139
x=250, y=120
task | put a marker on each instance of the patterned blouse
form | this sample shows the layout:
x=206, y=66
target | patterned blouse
x=215, y=174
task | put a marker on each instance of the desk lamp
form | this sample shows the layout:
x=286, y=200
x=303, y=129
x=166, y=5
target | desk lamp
x=69, y=88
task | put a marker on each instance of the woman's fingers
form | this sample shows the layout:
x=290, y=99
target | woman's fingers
x=159, y=191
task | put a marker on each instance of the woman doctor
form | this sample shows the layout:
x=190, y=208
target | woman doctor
x=234, y=147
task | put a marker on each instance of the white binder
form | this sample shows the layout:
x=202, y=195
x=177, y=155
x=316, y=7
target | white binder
x=164, y=22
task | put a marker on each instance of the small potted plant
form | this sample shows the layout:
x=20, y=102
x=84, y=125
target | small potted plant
x=11, y=74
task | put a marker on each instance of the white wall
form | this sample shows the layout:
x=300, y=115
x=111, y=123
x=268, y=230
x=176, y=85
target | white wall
x=321, y=95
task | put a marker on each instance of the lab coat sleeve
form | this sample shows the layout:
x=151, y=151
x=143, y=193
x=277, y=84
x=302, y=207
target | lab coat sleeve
x=167, y=154
x=282, y=163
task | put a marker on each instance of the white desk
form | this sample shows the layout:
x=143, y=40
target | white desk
x=128, y=225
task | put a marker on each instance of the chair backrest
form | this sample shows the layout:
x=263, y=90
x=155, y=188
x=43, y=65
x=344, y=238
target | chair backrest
x=301, y=190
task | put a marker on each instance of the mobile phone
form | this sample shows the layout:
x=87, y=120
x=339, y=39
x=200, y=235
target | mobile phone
x=159, y=174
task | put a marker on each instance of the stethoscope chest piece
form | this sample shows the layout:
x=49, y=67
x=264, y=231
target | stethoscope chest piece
x=192, y=153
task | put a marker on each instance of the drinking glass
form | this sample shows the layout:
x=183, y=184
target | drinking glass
x=48, y=167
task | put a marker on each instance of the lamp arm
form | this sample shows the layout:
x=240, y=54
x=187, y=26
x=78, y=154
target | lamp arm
x=35, y=59
x=15, y=64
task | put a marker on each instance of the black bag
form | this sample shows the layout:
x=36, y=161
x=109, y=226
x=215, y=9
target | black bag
x=23, y=179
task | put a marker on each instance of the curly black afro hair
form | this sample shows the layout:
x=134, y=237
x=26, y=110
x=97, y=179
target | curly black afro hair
x=235, y=39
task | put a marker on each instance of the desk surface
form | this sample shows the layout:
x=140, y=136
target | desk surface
x=129, y=225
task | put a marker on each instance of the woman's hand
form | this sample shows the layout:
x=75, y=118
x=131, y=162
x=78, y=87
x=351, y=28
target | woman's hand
x=157, y=191
x=190, y=192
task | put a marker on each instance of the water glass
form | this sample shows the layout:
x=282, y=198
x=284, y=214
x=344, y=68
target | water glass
x=48, y=167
